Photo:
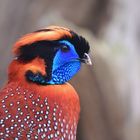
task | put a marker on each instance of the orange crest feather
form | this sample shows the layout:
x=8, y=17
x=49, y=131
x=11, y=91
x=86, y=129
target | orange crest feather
x=53, y=33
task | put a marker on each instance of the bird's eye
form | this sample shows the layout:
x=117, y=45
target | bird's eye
x=65, y=48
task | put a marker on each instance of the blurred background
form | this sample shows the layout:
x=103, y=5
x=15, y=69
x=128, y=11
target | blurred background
x=110, y=89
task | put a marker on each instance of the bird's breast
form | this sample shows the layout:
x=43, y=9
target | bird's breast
x=36, y=113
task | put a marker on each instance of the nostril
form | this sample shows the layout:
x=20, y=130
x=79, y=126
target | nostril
x=85, y=56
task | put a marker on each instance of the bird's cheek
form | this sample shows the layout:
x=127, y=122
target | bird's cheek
x=37, y=65
x=62, y=58
x=18, y=70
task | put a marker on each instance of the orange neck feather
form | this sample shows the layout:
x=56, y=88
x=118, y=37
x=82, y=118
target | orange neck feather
x=17, y=70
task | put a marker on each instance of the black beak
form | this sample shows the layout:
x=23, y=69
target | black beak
x=86, y=59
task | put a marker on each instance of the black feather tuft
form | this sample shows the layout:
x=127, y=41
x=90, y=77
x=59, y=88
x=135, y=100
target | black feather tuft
x=44, y=49
x=43, y=30
x=79, y=42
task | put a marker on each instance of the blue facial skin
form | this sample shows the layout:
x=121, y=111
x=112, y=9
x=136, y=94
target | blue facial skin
x=65, y=64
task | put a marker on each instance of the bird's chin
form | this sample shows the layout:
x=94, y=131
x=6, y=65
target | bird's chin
x=51, y=82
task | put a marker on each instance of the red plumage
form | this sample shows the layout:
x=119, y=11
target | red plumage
x=38, y=112
x=32, y=111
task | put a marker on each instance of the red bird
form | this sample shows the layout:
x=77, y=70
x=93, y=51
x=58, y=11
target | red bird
x=37, y=102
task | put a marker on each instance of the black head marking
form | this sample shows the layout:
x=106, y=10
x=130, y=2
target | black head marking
x=79, y=42
x=43, y=30
x=44, y=49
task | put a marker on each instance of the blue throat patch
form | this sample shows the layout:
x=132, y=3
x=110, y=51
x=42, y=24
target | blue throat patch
x=64, y=73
